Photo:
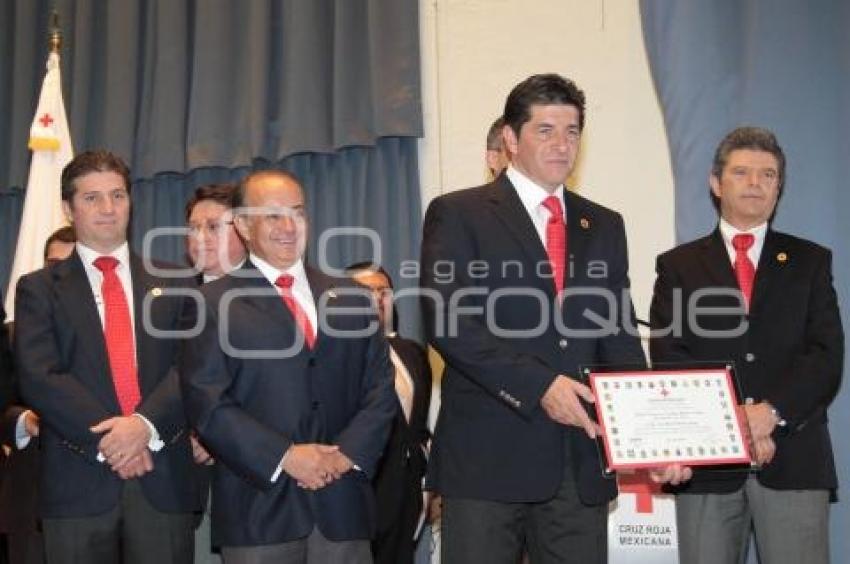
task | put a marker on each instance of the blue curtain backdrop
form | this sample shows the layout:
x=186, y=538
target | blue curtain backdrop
x=191, y=92
x=784, y=65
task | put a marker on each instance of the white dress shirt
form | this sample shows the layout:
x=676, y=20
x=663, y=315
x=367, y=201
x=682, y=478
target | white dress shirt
x=207, y=278
x=95, y=276
x=728, y=232
x=300, y=286
x=300, y=292
x=532, y=196
x=404, y=386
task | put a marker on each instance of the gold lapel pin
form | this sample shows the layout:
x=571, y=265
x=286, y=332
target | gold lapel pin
x=585, y=223
x=331, y=294
x=156, y=292
x=782, y=257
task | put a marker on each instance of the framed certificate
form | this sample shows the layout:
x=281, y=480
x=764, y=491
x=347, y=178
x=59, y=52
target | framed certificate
x=655, y=418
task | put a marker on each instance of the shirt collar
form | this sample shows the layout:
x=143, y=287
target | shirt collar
x=213, y=277
x=272, y=274
x=89, y=255
x=727, y=230
x=531, y=193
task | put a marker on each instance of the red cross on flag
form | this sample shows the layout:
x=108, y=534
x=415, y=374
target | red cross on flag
x=50, y=142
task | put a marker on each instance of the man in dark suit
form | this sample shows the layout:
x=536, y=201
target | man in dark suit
x=7, y=393
x=97, y=364
x=769, y=307
x=212, y=244
x=214, y=249
x=18, y=489
x=518, y=294
x=291, y=390
x=7, y=383
x=398, y=483
x=19, y=429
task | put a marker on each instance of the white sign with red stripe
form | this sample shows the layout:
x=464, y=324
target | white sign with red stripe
x=642, y=524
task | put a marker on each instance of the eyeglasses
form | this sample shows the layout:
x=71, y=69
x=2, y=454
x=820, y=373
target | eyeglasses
x=214, y=228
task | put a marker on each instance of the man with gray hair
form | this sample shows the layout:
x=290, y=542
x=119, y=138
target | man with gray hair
x=788, y=357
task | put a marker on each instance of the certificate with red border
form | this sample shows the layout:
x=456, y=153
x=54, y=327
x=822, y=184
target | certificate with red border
x=665, y=417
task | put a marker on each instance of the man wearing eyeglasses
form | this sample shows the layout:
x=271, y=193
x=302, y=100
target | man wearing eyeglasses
x=214, y=249
x=213, y=245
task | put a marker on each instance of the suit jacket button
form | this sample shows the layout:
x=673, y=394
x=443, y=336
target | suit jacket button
x=311, y=362
x=750, y=357
x=315, y=405
x=562, y=343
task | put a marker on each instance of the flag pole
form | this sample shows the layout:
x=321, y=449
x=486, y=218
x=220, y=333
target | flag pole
x=50, y=143
x=54, y=32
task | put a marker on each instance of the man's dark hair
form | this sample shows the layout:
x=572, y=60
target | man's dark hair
x=494, y=135
x=367, y=266
x=753, y=138
x=238, y=199
x=218, y=193
x=63, y=235
x=541, y=89
x=92, y=161
x=353, y=269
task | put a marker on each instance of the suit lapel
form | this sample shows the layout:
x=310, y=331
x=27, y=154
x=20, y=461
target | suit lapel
x=579, y=231
x=771, y=262
x=263, y=305
x=320, y=285
x=143, y=283
x=511, y=212
x=74, y=293
x=716, y=261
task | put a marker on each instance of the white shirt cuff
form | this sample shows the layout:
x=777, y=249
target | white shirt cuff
x=155, y=444
x=276, y=474
x=22, y=438
x=279, y=469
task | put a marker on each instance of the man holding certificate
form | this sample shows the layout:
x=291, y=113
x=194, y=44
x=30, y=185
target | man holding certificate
x=518, y=278
x=767, y=304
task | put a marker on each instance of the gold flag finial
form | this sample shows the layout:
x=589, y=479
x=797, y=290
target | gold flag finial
x=54, y=33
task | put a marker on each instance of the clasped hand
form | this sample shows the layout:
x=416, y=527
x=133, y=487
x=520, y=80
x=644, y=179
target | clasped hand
x=314, y=466
x=124, y=445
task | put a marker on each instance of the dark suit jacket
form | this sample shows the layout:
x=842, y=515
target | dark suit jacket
x=249, y=409
x=493, y=439
x=8, y=386
x=6, y=381
x=64, y=375
x=399, y=477
x=790, y=354
x=18, y=486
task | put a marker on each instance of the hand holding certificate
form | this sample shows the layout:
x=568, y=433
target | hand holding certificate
x=668, y=417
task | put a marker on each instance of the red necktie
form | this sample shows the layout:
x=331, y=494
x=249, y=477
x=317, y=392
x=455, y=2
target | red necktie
x=118, y=331
x=556, y=240
x=284, y=282
x=745, y=272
